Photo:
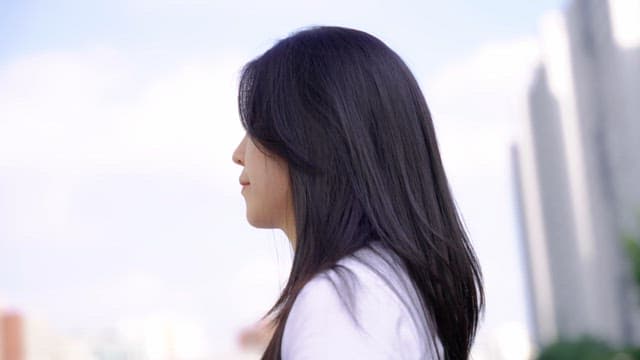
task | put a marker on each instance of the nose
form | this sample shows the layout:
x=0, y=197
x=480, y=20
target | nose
x=238, y=154
x=236, y=157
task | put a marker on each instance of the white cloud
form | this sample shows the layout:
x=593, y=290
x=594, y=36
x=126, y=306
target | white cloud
x=80, y=130
x=95, y=109
x=624, y=22
x=477, y=102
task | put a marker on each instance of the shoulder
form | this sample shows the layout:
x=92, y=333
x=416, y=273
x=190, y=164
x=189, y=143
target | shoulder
x=321, y=326
x=335, y=318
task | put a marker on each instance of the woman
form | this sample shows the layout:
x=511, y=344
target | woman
x=340, y=153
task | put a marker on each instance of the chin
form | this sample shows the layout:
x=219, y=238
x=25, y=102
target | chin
x=259, y=223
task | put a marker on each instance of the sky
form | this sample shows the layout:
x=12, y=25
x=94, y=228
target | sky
x=118, y=196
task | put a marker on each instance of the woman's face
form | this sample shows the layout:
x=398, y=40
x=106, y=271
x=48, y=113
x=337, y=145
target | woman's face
x=265, y=187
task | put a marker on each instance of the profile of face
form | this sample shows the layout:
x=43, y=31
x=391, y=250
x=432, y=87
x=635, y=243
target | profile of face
x=265, y=187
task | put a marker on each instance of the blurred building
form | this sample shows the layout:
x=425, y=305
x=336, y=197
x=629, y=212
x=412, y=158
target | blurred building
x=153, y=337
x=11, y=337
x=577, y=170
x=24, y=338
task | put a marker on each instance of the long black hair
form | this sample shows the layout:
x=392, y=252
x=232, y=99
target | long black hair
x=349, y=118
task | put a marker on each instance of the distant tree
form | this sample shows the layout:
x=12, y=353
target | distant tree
x=586, y=348
x=632, y=247
x=591, y=348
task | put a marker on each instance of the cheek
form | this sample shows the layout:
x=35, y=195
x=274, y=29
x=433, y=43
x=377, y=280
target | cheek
x=262, y=206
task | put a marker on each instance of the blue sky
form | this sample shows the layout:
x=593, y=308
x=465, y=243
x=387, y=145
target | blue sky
x=431, y=30
x=117, y=124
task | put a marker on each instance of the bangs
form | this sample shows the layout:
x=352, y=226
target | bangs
x=247, y=96
x=255, y=105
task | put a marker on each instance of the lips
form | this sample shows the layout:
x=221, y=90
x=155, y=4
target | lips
x=243, y=182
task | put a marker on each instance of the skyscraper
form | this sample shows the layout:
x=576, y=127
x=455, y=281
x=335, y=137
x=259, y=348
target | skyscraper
x=578, y=172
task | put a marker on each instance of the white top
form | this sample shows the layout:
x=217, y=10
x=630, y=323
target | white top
x=320, y=326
